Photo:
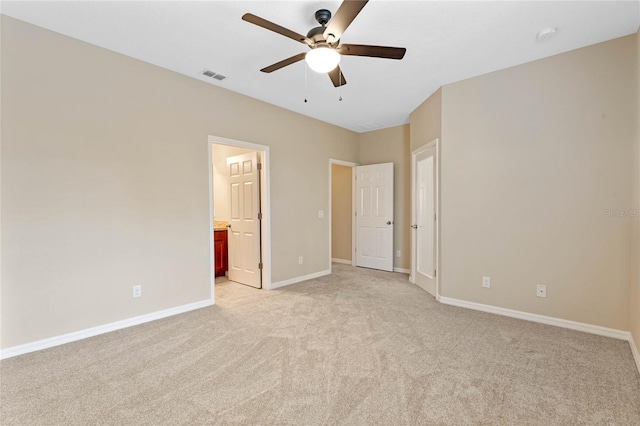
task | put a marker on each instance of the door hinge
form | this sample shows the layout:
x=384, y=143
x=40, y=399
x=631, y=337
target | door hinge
x=259, y=216
x=260, y=265
x=259, y=166
x=435, y=272
x=356, y=213
x=434, y=217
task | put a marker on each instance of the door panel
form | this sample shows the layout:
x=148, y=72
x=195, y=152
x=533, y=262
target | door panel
x=374, y=216
x=244, y=225
x=425, y=224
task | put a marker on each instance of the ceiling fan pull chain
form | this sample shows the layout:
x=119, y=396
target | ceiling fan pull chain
x=340, y=77
x=305, y=82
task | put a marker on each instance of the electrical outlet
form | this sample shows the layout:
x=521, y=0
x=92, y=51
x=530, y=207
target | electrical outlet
x=320, y=214
x=137, y=290
x=486, y=282
x=398, y=253
x=541, y=290
x=299, y=260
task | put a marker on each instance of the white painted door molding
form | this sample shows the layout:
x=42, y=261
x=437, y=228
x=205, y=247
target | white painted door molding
x=425, y=217
x=265, y=200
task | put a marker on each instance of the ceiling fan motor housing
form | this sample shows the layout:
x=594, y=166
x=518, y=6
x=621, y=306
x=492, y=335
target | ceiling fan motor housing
x=317, y=35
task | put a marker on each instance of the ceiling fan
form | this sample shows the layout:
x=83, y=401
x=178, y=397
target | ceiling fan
x=324, y=42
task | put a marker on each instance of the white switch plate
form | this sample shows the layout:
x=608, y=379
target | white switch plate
x=137, y=290
x=320, y=214
x=398, y=253
x=299, y=260
x=486, y=282
x=541, y=290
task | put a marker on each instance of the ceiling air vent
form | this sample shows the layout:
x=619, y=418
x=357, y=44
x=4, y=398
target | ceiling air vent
x=214, y=75
x=371, y=125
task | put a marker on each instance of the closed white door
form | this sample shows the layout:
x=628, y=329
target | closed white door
x=425, y=219
x=244, y=224
x=374, y=216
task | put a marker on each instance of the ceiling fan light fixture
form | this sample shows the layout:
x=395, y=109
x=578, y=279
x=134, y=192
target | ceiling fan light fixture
x=322, y=59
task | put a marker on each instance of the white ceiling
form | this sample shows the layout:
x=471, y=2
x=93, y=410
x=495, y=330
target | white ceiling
x=446, y=42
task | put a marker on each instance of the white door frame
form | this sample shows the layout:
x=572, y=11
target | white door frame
x=414, y=155
x=265, y=204
x=353, y=207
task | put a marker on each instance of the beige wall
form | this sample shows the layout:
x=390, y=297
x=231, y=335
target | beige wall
x=634, y=317
x=532, y=158
x=426, y=121
x=219, y=155
x=105, y=183
x=341, y=210
x=392, y=145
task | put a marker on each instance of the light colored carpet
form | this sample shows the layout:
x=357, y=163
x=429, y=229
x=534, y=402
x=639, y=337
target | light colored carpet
x=357, y=347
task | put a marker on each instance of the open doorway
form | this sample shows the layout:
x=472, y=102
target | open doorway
x=239, y=213
x=341, y=202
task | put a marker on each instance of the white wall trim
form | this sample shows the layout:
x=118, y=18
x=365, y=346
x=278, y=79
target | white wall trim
x=212, y=262
x=634, y=351
x=344, y=261
x=101, y=329
x=402, y=270
x=299, y=279
x=573, y=325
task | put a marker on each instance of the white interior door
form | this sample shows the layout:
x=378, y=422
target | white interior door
x=374, y=216
x=425, y=219
x=244, y=223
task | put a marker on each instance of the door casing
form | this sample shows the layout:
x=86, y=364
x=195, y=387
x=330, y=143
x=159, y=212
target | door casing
x=414, y=156
x=265, y=203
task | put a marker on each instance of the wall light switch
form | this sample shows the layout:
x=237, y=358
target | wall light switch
x=320, y=214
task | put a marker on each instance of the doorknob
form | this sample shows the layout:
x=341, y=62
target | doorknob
x=388, y=222
x=414, y=226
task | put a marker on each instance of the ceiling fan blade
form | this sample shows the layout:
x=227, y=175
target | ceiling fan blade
x=256, y=20
x=336, y=76
x=284, y=63
x=372, y=51
x=343, y=17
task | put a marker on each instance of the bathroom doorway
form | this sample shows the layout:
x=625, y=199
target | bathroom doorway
x=239, y=213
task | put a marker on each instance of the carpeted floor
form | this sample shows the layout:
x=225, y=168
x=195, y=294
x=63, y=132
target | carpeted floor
x=357, y=347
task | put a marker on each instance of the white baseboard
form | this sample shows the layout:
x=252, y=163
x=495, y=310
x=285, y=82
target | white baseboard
x=573, y=325
x=401, y=270
x=101, y=329
x=295, y=280
x=344, y=261
x=634, y=351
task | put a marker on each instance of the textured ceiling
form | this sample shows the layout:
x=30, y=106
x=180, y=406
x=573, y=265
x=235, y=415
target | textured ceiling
x=445, y=41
